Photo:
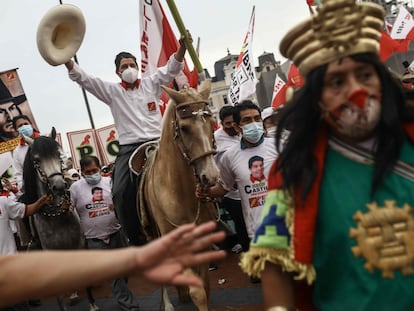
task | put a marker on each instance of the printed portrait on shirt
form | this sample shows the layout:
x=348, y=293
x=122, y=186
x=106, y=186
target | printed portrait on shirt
x=98, y=206
x=257, y=188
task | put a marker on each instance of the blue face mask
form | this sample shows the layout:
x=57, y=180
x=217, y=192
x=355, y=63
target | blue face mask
x=253, y=132
x=26, y=130
x=93, y=179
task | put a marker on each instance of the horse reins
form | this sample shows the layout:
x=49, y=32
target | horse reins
x=49, y=210
x=181, y=110
x=184, y=113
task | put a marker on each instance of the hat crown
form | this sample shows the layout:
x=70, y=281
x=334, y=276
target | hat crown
x=5, y=94
x=340, y=28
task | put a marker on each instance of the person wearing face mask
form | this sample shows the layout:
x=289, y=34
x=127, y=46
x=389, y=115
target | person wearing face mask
x=335, y=226
x=136, y=113
x=226, y=137
x=235, y=164
x=92, y=199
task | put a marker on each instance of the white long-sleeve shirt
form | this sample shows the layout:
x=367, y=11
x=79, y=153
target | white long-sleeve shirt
x=135, y=111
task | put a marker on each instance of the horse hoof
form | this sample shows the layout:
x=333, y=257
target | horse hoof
x=93, y=307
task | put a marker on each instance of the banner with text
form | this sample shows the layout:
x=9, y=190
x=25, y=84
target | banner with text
x=109, y=144
x=82, y=143
x=13, y=102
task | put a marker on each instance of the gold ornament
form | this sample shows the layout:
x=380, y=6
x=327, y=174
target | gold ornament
x=385, y=238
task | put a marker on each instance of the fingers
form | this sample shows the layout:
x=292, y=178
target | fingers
x=187, y=280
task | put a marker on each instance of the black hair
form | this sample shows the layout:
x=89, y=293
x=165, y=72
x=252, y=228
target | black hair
x=225, y=111
x=121, y=56
x=21, y=116
x=244, y=105
x=95, y=188
x=254, y=159
x=88, y=160
x=302, y=117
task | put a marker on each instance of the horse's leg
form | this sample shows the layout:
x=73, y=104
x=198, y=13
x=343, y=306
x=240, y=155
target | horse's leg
x=200, y=295
x=166, y=299
x=91, y=299
x=61, y=304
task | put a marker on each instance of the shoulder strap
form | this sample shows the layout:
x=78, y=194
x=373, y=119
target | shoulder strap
x=359, y=154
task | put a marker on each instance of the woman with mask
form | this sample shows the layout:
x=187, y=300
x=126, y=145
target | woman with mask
x=24, y=127
x=92, y=199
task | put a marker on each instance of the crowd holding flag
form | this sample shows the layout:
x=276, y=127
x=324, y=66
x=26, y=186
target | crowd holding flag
x=243, y=82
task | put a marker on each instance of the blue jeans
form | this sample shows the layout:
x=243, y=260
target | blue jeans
x=125, y=298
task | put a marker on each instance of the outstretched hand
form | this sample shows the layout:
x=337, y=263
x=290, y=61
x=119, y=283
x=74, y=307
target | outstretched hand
x=164, y=260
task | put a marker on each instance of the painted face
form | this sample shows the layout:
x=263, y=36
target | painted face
x=351, y=99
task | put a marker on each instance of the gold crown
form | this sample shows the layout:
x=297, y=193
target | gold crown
x=340, y=28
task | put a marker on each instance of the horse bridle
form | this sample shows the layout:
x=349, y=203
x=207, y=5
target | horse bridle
x=184, y=110
x=50, y=210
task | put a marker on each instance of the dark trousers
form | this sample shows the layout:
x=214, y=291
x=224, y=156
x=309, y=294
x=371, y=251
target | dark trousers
x=234, y=208
x=120, y=291
x=124, y=195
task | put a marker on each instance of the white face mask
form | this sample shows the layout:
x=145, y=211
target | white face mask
x=356, y=120
x=129, y=75
x=253, y=132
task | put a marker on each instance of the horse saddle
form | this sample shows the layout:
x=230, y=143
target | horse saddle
x=139, y=156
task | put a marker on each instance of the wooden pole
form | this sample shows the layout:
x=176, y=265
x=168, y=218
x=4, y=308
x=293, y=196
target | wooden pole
x=183, y=31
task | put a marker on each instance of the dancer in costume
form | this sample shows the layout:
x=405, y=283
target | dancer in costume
x=338, y=214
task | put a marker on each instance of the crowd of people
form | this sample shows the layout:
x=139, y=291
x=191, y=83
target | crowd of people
x=321, y=191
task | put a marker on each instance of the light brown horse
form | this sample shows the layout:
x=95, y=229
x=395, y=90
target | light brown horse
x=183, y=158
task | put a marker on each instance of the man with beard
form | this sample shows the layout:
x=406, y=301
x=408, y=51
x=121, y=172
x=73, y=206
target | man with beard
x=9, y=108
x=338, y=213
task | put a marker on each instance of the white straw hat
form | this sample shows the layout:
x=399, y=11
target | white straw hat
x=60, y=33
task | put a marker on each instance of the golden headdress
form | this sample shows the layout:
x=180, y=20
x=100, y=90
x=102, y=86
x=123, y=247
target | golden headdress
x=340, y=28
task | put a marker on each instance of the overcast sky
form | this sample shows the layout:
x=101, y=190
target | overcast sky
x=113, y=26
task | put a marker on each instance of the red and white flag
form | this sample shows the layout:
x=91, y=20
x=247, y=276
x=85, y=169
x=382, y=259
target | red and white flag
x=279, y=92
x=158, y=43
x=243, y=83
x=403, y=24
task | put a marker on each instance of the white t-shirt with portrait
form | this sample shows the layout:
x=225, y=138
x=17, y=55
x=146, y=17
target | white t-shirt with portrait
x=251, y=182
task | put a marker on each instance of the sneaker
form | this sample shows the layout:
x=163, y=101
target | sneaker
x=74, y=299
x=93, y=307
x=212, y=267
x=237, y=248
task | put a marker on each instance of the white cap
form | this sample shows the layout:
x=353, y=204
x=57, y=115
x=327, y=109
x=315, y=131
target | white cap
x=267, y=112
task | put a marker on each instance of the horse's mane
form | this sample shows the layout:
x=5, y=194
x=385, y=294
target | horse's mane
x=45, y=147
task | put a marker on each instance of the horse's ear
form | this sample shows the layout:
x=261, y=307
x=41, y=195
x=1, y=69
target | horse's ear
x=205, y=88
x=28, y=140
x=53, y=133
x=175, y=95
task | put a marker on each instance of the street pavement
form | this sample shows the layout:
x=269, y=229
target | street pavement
x=231, y=290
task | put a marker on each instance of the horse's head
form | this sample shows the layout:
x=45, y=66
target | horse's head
x=193, y=129
x=43, y=169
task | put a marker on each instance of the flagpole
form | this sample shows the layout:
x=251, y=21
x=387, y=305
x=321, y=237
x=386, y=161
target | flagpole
x=85, y=97
x=183, y=31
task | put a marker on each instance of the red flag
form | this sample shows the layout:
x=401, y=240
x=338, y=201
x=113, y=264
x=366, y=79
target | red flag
x=295, y=79
x=311, y=2
x=158, y=43
x=389, y=45
x=279, y=92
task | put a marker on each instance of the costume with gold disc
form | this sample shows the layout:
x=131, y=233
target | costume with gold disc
x=359, y=248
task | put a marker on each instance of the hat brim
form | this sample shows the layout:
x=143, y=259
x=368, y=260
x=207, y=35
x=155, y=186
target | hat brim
x=60, y=33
